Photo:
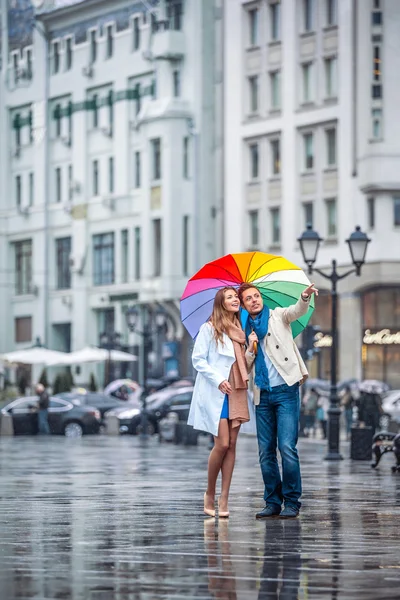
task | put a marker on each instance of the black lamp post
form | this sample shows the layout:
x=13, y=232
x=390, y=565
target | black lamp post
x=153, y=322
x=109, y=341
x=309, y=245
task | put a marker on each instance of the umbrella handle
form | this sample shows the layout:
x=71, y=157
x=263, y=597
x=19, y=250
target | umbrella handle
x=255, y=348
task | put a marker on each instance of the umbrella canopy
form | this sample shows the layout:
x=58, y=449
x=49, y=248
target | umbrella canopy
x=279, y=281
x=132, y=386
x=373, y=386
x=33, y=356
x=92, y=354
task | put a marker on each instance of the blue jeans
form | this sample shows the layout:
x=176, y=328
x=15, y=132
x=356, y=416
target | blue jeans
x=277, y=418
x=43, y=421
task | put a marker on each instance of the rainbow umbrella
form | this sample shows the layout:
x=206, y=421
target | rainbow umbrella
x=279, y=281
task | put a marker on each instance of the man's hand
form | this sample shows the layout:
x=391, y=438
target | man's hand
x=310, y=291
x=225, y=387
x=252, y=338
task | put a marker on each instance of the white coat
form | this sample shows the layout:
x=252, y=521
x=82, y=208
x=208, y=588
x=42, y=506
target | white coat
x=213, y=362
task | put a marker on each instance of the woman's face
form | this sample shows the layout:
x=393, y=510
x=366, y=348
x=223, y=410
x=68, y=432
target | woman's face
x=231, y=301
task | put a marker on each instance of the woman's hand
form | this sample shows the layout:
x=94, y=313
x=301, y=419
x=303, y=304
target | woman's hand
x=225, y=387
x=252, y=338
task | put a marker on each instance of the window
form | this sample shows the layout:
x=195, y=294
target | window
x=31, y=189
x=331, y=217
x=138, y=99
x=136, y=34
x=157, y=246
x=56, y=57
x=93, y=47
x=110, y=102
x=110, y=42
x=95, y=180
x=308, y=9
x=63, y=255
x=68, y=54
x=308, y=211
x=371, y=212
x=17, y=129
x=15, y=67
x=276, y=225
x=18, y=191
x=111, y=174
x=331, y=12
x=185, y=245
x=254, y=162
x=253, y=26
x=275, y=19
x=308, y=151
x=58, y=185
x=57, y=117
x=376, y=64
x=124, y=256
x=331, y=77
x=137, y=170
x=376, y=91
x=23, y=330
x=396, y=211
x=156, y=154
x=307, y=73
x=186, y=157
x=253, y=91
x=330, y=147
x=138, y=251
x=377, y=123
x=174, y=14
x=28, y=54
x=103, y=259
x=276, y=156
x=275, y=79
x=95, y=111
x=23, y=267
x=377, y=17
x=253, y=226
x=177, y=83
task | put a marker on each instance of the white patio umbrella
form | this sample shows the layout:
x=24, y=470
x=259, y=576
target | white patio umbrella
x=33, y=356
x=92, y=354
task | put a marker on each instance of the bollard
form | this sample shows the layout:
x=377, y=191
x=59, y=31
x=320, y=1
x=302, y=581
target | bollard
x=112, y=425
x=6, y=425
x=361, y=443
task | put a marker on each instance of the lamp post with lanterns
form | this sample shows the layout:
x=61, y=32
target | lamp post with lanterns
x=309, y=244
x=152, y=321
x=109, y=341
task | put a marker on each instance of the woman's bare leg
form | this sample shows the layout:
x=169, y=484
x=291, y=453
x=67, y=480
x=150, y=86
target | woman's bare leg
x=217, y=454
x=227, y=467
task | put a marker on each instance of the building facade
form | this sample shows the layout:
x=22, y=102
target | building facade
x=312, y=136
x=108, y=159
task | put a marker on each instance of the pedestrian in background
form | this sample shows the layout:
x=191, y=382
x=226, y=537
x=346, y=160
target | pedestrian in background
x=43, y=412
x=347, y=403
x=322, y=414
x=219, y=403
x=370, y=409
x=310, y=411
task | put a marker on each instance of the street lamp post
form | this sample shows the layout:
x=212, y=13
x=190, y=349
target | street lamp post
x=109, y=341
x=132, y=316
x=309, y=245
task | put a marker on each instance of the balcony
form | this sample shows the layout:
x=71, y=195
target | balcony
x=168, y=45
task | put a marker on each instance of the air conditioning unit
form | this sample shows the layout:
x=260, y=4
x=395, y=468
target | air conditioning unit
x=67, y=207
x=16, y=153
x=75, y=187
x=23, y=210
x=77, y=263
x=67, y=300
x=135, y=124
x=23, y=72
x=66, y=141
x=107, y=131
x=108, y=201
x=88, y=71
x=147, y=55
x=35, y=290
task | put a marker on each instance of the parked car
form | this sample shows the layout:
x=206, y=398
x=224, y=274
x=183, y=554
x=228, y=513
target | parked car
x=159, y=404
x=391, y=408
x=65, y=418
x=102, y=402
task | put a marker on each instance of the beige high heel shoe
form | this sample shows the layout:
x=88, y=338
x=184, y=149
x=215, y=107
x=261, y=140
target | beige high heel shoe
x=223, y=514
x=208, y=511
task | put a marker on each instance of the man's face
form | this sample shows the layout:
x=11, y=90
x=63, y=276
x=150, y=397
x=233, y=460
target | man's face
x=252, y=301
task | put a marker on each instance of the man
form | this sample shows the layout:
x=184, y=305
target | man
x=43, y=413
x=278, y=370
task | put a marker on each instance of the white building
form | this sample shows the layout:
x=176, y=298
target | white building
x=312, y=134
x=107, y=157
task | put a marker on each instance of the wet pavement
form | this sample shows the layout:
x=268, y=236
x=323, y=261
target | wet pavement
x=112, y=519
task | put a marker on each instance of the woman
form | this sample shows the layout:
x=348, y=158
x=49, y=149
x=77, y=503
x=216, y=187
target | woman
x=219, y=404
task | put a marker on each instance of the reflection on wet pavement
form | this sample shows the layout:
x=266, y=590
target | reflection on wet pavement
x=109, y=518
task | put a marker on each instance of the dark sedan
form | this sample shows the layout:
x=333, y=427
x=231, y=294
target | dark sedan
x=65, y=418
x=102, y=402
x=159, y=405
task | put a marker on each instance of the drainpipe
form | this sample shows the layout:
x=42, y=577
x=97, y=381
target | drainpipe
x=354, y=85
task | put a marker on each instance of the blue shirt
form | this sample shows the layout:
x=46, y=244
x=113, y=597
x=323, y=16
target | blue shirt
x=274, y=377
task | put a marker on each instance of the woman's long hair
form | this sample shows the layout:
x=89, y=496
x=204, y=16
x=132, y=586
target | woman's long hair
x=220, y=317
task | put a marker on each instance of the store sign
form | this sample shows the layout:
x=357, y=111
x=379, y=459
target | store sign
x=384, y=336
x=322, y=340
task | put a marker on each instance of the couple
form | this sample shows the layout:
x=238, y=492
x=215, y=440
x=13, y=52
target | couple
x=219, y=404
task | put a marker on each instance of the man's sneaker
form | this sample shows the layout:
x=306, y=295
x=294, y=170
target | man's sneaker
x=269, y=511
x=289, y=512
